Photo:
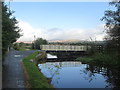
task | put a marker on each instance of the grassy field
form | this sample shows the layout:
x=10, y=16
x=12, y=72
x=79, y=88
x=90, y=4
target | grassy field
x=24, y=48
x=36, y=78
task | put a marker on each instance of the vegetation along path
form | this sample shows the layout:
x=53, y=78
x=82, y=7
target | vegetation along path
x=13, y=75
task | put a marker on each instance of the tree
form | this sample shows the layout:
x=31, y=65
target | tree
x=10, y=30
x=16, y=46
x=38, y=42
x=112, y=20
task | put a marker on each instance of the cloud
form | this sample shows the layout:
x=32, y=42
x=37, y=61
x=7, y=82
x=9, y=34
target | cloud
x=59, y=34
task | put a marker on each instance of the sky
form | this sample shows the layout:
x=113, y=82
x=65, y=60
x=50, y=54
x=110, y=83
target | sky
x=60, y=20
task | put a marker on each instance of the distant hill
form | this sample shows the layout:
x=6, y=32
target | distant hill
x=66, y=41
x=28, y=42
x=77, y=42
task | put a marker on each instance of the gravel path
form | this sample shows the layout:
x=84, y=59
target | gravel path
x=13, y=75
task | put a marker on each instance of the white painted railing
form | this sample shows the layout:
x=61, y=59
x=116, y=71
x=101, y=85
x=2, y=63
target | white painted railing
x=63, y=48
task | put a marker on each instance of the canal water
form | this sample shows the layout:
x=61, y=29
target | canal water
x=74, y=74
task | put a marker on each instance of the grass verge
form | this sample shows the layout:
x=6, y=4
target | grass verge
x=36, y=78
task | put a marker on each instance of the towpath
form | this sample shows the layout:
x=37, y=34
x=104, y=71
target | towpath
x=13, y=75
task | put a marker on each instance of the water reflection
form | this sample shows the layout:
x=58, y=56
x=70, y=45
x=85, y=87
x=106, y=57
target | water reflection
x=112, y=77
x=77, y=75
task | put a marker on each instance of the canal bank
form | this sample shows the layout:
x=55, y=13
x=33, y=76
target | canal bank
x=36, y=78
x=102, y=59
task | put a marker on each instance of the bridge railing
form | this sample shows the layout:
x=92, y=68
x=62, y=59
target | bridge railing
x=64, y=48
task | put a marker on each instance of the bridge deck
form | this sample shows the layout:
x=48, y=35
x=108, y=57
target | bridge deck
x=64, y=48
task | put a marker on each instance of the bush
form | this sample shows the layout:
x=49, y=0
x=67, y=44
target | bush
x=101, y=59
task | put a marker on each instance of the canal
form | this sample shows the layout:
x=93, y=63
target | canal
x=74, y=74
